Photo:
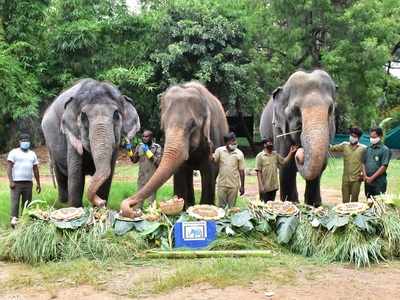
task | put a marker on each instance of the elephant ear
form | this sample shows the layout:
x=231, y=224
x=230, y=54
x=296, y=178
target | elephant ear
x=279, y=105
x=131, y=121
x=70, y=125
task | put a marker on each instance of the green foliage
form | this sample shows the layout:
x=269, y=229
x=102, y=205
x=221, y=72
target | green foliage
x=241, y=50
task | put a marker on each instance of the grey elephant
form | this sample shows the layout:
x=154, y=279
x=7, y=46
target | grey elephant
x=83, y=128
x=302, y=113
x=194, y=124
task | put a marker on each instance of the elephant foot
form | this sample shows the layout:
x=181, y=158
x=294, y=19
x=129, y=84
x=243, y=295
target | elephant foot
x=98, y=202
x=127, y=208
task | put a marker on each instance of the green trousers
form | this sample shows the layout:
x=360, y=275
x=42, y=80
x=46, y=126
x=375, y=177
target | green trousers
x=350, y=191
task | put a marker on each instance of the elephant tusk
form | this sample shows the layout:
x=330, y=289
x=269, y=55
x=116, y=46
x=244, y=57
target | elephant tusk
x=288, y=133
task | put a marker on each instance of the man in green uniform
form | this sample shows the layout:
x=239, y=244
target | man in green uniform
x=353, y=153
x=375, y=163
x=267, y=164
x=148, y=154
x=230, y=180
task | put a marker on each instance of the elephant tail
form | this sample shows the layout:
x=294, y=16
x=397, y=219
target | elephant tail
x=51, y=168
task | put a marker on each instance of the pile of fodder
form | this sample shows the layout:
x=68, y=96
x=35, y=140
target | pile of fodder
x=38, y=241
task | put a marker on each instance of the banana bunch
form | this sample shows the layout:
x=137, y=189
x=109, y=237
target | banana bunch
x=152, y=213
x=258, y=209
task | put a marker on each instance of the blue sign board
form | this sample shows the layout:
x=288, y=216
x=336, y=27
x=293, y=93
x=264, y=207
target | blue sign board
x=198, y=234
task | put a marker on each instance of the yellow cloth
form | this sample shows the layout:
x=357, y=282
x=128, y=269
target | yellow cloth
x=268, y=165
x=352, y=160
x=229, y=164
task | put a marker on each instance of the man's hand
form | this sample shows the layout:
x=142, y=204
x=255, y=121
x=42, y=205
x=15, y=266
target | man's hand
x=369, y=180
x=293, y=149
x=38, y=188
x=145, y=147
x=241, y=191
x=12, y=185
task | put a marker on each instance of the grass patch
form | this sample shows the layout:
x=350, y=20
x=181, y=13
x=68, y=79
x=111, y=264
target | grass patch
x=222, y=272
x=51, y=275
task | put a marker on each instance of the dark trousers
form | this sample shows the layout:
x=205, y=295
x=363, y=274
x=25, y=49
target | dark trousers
x=374, y=190
x=23, y=191
x=268, y=196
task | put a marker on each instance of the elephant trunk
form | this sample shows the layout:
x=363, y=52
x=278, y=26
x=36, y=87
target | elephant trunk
x=311, y=159
x=102, y=150
x=175, y=153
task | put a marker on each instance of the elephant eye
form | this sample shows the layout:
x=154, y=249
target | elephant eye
x=116, y=116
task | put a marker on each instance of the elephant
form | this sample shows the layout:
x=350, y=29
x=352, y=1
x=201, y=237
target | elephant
x=302, y=113
x=83, y=128
x=194, y=124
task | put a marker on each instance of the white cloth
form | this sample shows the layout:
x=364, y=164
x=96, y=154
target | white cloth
x=23, y=164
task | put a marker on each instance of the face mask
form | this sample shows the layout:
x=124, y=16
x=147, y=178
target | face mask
x=232, y=147
x=24, y=145
x=353, y=140
x=374, y=140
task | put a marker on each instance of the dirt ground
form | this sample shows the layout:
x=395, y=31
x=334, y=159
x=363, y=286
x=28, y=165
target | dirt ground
x=333, y=282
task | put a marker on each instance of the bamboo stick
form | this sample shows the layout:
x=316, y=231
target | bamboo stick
x=189, y=254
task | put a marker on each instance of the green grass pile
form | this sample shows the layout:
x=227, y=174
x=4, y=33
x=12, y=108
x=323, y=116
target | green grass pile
x=253, y=241
x=350, y=244
x=37, y=241
x=306, y=239
x=390, y=222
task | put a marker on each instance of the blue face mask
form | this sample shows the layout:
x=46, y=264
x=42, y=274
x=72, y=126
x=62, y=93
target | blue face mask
x=24, y=145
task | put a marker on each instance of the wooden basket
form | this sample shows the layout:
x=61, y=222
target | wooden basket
x=172, y=207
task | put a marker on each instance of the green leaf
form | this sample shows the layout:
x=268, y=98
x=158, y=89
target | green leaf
x=146, y=227
x=264, y=227
x=121, y=227
x=286, y=227
x=73, y=224
x=364, y=223
x=241, y=218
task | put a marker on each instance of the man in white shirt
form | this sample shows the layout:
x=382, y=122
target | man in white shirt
x=22, y=164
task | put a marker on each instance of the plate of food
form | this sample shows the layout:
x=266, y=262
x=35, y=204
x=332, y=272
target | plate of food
x=351, y=208
x=206, y=212
x=138, y=216
x=173, y=206
x=67, y=214
x=281, y=208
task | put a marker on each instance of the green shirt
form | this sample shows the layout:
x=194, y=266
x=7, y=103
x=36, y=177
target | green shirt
x=268, y=165
x=376, y=156
x=352, y=160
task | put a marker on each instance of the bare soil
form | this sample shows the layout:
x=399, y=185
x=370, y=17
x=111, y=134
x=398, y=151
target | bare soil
x=311, y=282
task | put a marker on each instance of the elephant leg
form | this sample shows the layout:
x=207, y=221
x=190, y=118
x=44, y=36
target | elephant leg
x=76, y=178
x=62, y=185
x=208, y=171
x=312, y=195
x=183, y=184
x=288, y=186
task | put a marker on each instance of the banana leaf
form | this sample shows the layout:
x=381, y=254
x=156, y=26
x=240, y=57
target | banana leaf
x=241, y=219
x=285, y=228
x=122, y=227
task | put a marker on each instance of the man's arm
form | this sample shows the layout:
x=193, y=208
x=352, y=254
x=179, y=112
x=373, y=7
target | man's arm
x=241, y=172
x=135, y=157
x=37, y=177
x=292, y=151
x=337, y=148
x=259, y=179
x=10, y=166
x=157, y=156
